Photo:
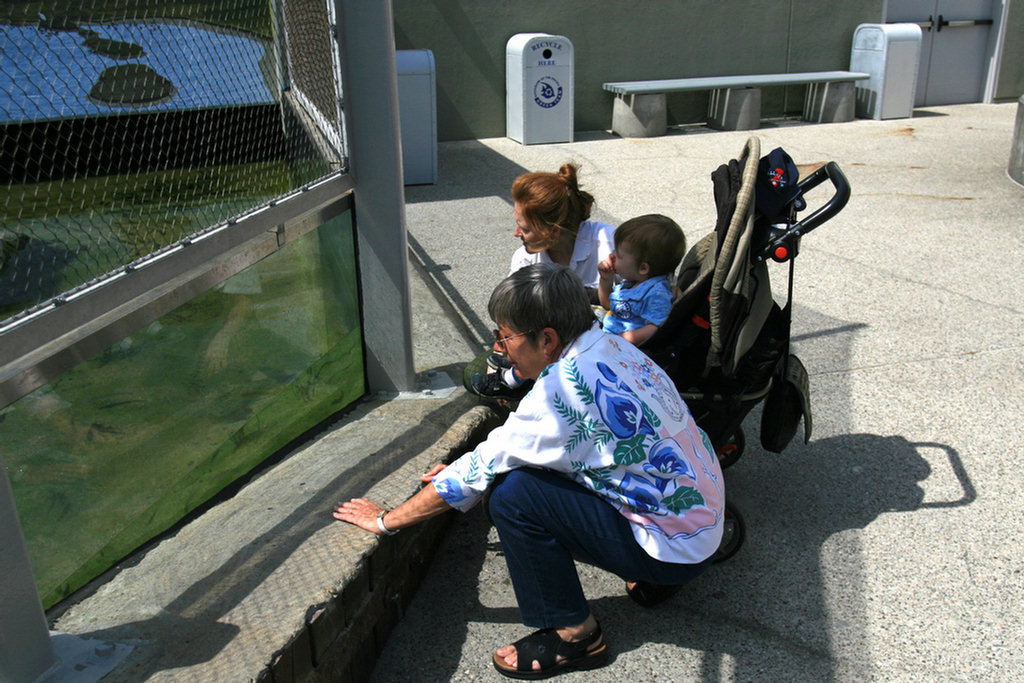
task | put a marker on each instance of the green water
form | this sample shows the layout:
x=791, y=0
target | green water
x=120, y=448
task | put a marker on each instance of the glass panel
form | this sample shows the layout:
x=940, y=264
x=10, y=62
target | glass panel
x=123, y=446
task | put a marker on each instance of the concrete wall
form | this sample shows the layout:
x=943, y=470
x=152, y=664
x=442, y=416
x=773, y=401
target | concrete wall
x=624, y=40
x=1010, y=85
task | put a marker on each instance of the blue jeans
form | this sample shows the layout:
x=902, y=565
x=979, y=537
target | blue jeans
x=545, y=520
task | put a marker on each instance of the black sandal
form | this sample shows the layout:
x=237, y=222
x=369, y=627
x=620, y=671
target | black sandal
x=546, y=646
x=650, y=594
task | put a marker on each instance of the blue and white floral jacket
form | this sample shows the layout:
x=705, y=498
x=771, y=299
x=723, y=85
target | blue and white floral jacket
x=607, y=417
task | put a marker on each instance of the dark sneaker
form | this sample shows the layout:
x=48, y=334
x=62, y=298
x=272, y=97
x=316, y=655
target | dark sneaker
x=498, y=362
x=491, y=385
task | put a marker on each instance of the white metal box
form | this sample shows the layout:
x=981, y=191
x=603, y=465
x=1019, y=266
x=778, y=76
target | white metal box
x=539, y=88
x=417, y=113
x=891, y=53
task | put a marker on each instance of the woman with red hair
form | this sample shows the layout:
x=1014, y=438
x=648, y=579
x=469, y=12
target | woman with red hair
x=552, y=219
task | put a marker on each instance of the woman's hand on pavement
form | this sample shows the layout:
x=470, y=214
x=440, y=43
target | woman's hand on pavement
x=363, y=512
x=359, y=511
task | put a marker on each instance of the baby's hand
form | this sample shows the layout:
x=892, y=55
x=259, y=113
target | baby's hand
x=606, y=268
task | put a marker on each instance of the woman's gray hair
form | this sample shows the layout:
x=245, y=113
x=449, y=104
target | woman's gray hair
x=543, y=295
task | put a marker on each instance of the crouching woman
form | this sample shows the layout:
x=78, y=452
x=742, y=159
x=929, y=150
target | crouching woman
x=601, y=462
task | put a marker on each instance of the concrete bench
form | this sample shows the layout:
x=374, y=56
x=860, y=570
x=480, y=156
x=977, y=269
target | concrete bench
x=735, y=104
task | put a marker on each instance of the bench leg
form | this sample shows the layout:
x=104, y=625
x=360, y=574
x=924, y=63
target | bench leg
x=830, y=102
x=639, y=116
x=734, y=109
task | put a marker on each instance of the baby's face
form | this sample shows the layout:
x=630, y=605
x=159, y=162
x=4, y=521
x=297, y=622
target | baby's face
x=626, y=265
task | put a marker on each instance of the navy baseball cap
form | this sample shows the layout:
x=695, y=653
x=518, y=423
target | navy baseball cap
x=776, y=186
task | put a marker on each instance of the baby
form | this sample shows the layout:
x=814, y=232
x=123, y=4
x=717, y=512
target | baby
x=647, y=251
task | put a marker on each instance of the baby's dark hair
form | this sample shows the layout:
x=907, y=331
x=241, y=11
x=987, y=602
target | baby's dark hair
x=655, y=240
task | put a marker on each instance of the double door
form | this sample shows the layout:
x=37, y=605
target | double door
x=955, y=46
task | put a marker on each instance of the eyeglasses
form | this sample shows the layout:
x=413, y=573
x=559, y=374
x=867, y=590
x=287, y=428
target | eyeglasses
x=500, y=341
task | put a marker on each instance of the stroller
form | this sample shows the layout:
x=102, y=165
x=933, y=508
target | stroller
x=725, y=343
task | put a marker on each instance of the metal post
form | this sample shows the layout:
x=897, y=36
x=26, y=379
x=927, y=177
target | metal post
x=25, y=648
x=365, y=32
x=1016, y=167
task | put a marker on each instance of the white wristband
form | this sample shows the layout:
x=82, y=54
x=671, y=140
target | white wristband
x=380, y=524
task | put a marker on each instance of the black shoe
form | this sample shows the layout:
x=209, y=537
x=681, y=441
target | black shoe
x=491, y=385
x=498, y=362
x=650, y=594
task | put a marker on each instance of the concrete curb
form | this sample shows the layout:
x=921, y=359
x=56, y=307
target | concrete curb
x=346, y=635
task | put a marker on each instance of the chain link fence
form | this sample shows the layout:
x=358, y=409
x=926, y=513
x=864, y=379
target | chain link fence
x=129, y=127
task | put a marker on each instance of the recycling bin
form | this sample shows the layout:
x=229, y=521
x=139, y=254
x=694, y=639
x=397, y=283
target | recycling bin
x=417, y=115
x=891, y=53
x=539, y=88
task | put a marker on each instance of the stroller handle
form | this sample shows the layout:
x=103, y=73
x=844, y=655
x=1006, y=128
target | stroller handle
x=783, y=243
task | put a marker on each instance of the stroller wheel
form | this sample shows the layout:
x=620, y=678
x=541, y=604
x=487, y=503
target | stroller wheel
x=733, y=533
x=733, y=448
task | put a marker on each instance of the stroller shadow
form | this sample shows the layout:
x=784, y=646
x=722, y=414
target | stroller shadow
x=794, y=597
